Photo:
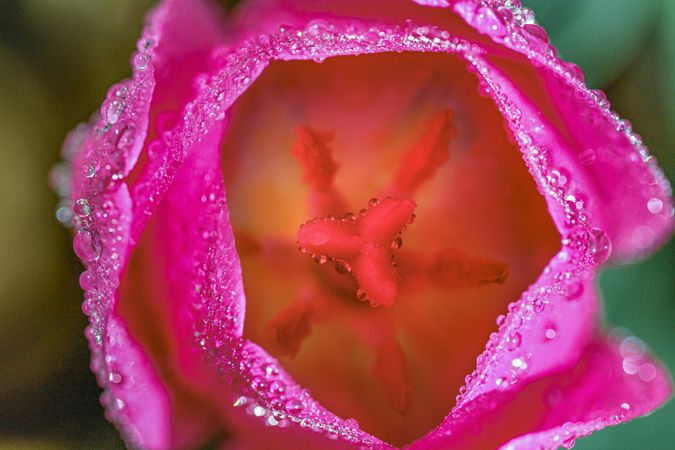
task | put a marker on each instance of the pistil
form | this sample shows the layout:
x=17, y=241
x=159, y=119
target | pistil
x=363, y=245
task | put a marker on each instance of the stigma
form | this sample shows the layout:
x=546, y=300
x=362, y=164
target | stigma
x=363, y=246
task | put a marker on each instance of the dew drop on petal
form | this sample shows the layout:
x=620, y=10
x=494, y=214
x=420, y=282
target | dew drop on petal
x=115, y=378
x=293, y=406
x=587, y=157
x=86, y=246
x=126, y=138
x=141, y=61
x=89, y=170
x=518, y=363
x=82, y=208
x=569, y=442
x=647, y=372
x=513, y=341
x=342, y=267
x=112, y=111
x=362, y=295
x=600, y=246
x=502, y=383
x=655, y=205
x=573, y=290
x=488, y=21
x=86, y=280
x=397, y=243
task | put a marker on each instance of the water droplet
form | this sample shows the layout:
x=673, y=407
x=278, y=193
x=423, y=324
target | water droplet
x=277, y=388
x=82, y=208
x=513, y=341
x=122, y=92
x=89, y=170
x=538, y=305
x=141, y=61
x=569, y=442
x=396, y=243
x=88, y=307
x=536, y=31
x=126, y=138
x=240, y=401
x=86, y=280
x=112, y=111
x=518, y=363
x=655, y=205
x=500, y=320
x=488, y=21
x=293, y=406
x=342, y=267
x=86, y=246
x=600, y=246
x=587, y=157
x=573, y=290
x=115, y=378
x=259, y=384
x=502, y=383
x=647, y=372
x=362, y=295
x=270, y=371
x=558, y=178
x=320, y=259
x=239, y=385
x=64, y=214
x=373, y=202
x=551, y=332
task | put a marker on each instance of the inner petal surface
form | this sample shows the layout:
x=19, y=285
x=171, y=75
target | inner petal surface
x=395, y=369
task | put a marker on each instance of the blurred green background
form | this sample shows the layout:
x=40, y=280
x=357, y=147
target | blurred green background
x=57, y=59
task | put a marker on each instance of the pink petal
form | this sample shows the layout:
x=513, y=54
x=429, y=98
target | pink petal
x=613, y=382
x=135, y=397
x=624, y=188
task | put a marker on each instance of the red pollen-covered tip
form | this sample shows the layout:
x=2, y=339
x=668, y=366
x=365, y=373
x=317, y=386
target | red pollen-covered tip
x=427, y=156
x=315, y=156
x=363, y=246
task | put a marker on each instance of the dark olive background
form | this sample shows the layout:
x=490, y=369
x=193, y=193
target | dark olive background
x=57, y=59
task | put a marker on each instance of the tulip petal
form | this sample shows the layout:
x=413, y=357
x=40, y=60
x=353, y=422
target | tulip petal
x=103, y=156
x=627, y=192
x=613, y=382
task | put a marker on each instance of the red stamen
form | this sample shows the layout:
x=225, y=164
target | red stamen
x=453, y=269
x=318, y=166
x=288, y=329
x=431, y=152
x=392, y=373
x=363, y=246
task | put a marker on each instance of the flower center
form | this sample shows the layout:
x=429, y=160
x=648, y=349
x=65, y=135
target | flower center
x=366, y=246
x=362, y=246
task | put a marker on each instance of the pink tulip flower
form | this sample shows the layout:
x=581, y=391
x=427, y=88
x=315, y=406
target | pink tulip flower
x=420, y=195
